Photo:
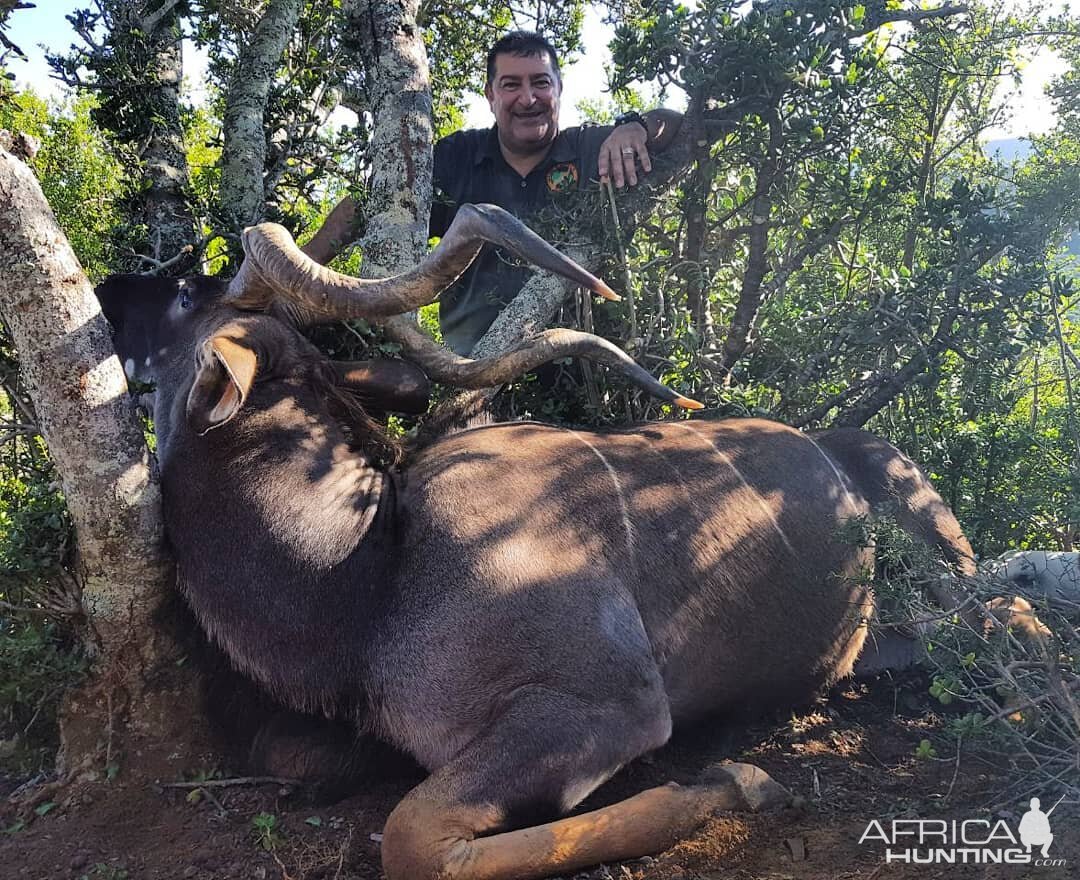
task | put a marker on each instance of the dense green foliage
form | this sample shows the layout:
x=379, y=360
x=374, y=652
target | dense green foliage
x=38, y=654
x=82, y=179
x=846, y=253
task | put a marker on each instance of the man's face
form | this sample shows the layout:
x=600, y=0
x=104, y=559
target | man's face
x=524, y=96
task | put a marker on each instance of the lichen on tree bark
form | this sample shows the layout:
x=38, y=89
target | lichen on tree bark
x=243, y=157
x=399, y=191
x=167, y=211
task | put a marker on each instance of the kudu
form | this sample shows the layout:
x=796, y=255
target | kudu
x=524, y=608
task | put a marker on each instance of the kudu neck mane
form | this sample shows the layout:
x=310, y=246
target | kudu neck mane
x=364, y=433
x=462, y=412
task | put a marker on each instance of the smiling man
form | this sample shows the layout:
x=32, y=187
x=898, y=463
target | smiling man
x=521, y=164
x=523, y=92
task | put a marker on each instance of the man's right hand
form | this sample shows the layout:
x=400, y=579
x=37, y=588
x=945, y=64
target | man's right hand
x=620, y=152
x=630, y=143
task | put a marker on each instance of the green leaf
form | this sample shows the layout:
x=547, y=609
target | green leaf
x=925, y=750
x=45, y=808
x=313, y=821
x=264, y=821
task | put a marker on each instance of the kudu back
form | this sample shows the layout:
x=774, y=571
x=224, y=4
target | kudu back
x=522, y=607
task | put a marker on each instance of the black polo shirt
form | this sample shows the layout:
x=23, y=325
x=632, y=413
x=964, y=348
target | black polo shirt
x=470, y=168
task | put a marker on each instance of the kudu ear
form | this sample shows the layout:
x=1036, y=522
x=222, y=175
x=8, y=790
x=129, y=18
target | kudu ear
x=224, y=376
x=388, y=385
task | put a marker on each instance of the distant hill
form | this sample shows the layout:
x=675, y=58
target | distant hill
x=1011, y=149
x=1008, y=149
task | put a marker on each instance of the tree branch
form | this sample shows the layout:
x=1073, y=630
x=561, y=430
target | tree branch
x=892, y=385
x=750, y=295
x=149, y=22
x=880, y=17
x=243, y=158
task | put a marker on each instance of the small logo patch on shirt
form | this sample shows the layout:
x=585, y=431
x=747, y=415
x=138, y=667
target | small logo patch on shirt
x=562, y=178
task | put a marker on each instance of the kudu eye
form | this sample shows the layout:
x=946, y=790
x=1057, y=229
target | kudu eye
x=186, y=302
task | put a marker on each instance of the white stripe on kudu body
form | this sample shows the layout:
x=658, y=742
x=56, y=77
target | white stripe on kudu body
x=839, y=477
x=757, y=495
x=628, y=525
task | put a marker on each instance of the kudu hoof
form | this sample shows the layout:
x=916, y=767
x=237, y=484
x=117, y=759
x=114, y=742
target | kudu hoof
x=757, y=791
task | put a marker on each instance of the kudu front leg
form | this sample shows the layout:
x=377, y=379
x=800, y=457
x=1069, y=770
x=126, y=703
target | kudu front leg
x=548, y=764
x=427, y=839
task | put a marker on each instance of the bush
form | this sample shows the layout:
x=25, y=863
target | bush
x=1010, y=677
x=37, y=664
x=39, y=656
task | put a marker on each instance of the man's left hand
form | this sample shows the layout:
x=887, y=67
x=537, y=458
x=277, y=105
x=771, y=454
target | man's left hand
x=621, y=150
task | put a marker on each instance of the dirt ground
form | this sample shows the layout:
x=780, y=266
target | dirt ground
x=850, y=758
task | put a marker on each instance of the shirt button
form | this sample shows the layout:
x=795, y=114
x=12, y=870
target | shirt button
x=523, y=184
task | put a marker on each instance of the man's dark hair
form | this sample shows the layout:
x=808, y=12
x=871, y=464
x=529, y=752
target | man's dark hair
x=522, y=44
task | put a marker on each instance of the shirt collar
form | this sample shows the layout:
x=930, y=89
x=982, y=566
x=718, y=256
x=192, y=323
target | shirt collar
x=561, y=150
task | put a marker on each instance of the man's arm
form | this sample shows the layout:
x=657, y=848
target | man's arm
x=630, y=143
x=336, y=232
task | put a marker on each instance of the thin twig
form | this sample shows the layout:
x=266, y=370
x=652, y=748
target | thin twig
x=22, y=609
x=631, y=307
x=1071, y=411
x=285, y=875
x=40, y=705
x=236, y=780
x=111, y=728
x=956, y=769
x=161, y=265
x=342, y=851
x=18, y=431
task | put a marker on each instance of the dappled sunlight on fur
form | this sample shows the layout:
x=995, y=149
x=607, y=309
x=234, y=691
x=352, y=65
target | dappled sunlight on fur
x=522, y=608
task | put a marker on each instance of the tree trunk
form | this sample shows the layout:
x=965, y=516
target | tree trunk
x=532, y=310
x=243, y=193
x=698, y=188
x=80, y=396
x=399, y=192
x=537, y=303
x=165, y=206
x=757, y=260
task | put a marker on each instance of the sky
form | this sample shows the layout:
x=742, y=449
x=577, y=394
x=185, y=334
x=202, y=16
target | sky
x=583, y=78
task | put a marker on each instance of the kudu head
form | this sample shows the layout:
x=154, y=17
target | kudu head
x=185, y=335
x=210, y=341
